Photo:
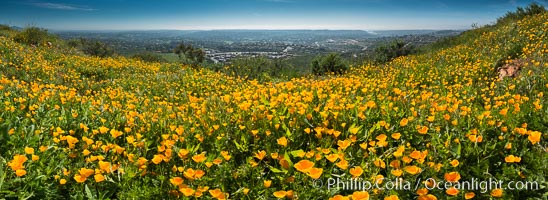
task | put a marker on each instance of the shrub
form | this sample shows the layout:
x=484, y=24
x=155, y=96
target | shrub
x=33, y=36
x=249, y=67
x=74, y=43
x=388, y=51
x=332, y=63
x=95, y=48
x=520, y=13
x=149, y=57
x=4, y=27
x=189, y=55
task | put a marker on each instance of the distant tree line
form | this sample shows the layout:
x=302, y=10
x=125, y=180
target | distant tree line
x=396, y=48
x=149, y=57
x=190, y=55
x=33, y=36
x=330, y=64
x=532, y=9
x=92, y=47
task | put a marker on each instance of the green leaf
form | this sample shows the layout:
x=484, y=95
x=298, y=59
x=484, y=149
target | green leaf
x=287, y=132
x=196, y=147
x=238, y=145
x=88, y=192
x=458, y=150
x=3, y=174
x=296, y=152
x=275, y=170
x=286, y=156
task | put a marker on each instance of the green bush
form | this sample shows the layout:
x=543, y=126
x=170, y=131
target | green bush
x=520, y=13
x=33, y=36
x=332, y=63
x=388, y=51
x=95, y=48
x=4, y=27
x=74, y=43
x=189, y=55
x=149, y=57
x=249, y=67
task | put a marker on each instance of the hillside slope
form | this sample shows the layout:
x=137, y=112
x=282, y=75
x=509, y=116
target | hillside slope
x=73, y=126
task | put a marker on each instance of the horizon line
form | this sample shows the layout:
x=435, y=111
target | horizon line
x=259, y=29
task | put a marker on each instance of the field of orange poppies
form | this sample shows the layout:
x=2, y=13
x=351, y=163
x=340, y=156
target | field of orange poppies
x=73, y=126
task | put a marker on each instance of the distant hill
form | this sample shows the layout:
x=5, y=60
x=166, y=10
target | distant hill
x=281, y=34
x=391, y=33
x=227, y=34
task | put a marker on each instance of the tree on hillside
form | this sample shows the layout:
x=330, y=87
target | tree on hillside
x=250, y=67
x=4, y=27
x=189, y=55
x=520, y=12
x=149, y=57
x=95, y=48
x=33, y=36
x=332, y=63
x=388, y=51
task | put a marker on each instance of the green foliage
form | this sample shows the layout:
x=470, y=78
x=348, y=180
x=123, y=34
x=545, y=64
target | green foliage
x=520, y=13
x=149, y=57
x=74, y=43
x=33, y=36
x=477, y=31
x=332, y=63
x=189, y=55
x=6, y=30
x=95, y=48
x=261, y=68
x=388, y=51
x=4, y=27
x=250, y=68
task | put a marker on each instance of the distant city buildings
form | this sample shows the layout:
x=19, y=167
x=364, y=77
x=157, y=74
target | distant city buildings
x=224, y=57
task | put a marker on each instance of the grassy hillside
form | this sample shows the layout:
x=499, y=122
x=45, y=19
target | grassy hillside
x=73, y=126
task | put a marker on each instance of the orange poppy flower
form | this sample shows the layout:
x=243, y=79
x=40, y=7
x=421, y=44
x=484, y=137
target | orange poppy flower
x=412, y=169
x=452, y=191
x=469, y=195
x=20, y=172
x=280, y=194
x=339, y=197
x=187, y=191
x=199, y=158
x=452, y=176
x=304, y=165
x=360, y=195
x=356, y=171
x=176, y=181
x=315, y=173
x=496, y=193
x=392, y=197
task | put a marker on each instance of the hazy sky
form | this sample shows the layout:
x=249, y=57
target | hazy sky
x=254, y=14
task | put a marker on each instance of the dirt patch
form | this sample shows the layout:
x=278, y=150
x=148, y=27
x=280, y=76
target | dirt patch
x=511, y=69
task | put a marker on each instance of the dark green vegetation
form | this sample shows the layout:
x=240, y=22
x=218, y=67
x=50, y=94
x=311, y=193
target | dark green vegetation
x=189, y=55
x=34, y=36
x=388, y=51
x=261, y=68
x=149, y=57
x=330, y=64
x=509, y=18
x=520, y=13
x=94, y=48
